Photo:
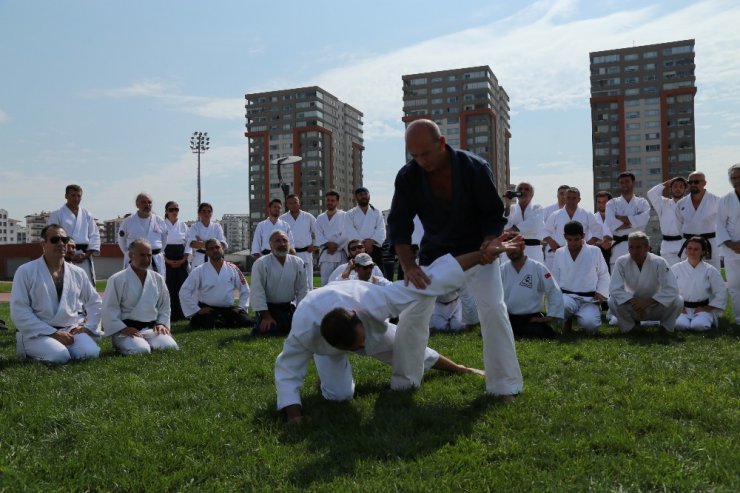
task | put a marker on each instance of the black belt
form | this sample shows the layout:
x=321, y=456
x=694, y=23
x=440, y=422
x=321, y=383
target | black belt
x=155, y=251
x=695, y=304
x=200, y=250
x=619, y=239
x=579, y=293
x=706, y=236
x=672, y=238
x=532, y=242
x=265, y=252
x=448, y=302
x=301, y=250
x=81, y=247
x=139, y=325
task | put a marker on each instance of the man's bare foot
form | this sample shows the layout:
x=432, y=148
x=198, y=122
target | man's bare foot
x=476, y=371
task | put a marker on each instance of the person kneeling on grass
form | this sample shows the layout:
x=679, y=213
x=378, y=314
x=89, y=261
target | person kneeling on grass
x=352, y=316
x=136, y=305
x=207, y=295
x=278, y=285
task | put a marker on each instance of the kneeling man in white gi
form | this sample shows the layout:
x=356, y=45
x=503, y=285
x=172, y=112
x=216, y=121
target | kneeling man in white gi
x=643, y=287
x=353, y=316
x=583, y=277
x=44, y=305
x=278, y=285
x=136, y=305
x=526, y=281
x=207, y=295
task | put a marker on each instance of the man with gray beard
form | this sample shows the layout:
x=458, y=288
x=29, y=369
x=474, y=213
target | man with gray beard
x=278, y=285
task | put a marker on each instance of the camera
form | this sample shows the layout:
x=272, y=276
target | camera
x=510, y=194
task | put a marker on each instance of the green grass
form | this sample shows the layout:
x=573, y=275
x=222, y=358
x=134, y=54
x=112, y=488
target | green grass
x=5, y=286
x=642, y=412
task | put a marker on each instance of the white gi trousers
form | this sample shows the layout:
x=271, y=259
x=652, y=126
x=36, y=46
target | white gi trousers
x=308, y=266
x=669, y=251
x=586, y=311
x=696, y=321
x=335, y=372
x=326, y=269
x=732, y=270
x=150, y=340
x=503, y=375
x=627, y=317
x=46, y=348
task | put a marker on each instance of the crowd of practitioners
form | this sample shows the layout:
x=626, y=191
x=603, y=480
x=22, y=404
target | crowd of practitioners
x=467, y=255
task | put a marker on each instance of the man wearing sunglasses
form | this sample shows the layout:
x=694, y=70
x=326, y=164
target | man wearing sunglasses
x=82, y=229
x=697, y=216
x=347, y=271
x=45, y=300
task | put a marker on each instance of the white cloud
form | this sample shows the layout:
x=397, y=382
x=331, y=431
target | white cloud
x=540, y=54
x=171, y=95
x=4, y=117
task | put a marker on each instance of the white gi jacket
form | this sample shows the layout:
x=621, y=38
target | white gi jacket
x=524, y=290
x=274, y=282
x=126, y=298
x=81, y=228
x=373, y=305
x=331, y=230
x=303, y=228
x=201, y=232
x=588, y=272
x=700, y=283
x=264, y=229
x=558, y=220
x=637, y=211
x=35, y=309
x=213, y=288
x=152, y=229
x=655, y=280
x=365, y=226
x=728, y=224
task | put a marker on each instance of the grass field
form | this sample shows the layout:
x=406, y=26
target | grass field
x=642, y=412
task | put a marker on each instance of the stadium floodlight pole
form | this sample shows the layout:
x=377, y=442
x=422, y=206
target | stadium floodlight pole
x=279, y=162
x=199, y=143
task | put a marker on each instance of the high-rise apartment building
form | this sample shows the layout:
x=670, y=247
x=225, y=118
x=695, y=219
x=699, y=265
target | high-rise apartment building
x=236, y=231
x=471, y=109
x=307, y=122
x=642, y=115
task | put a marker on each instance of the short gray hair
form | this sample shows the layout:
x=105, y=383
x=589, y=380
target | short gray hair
x=639, y=236
x=211, y=240
x=141, y=241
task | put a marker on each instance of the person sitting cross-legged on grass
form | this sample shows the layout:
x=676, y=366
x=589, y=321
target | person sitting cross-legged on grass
x=45, y=305
x=353, y=316
x=207, y=295
x=643, y=287
x=136, y=305
x=583, y=277
x=702, y=288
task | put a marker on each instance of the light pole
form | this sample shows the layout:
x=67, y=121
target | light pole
x=199, y=143
x=279, y=162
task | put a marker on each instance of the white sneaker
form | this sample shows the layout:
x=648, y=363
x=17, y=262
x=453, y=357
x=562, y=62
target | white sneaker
x=613, y=320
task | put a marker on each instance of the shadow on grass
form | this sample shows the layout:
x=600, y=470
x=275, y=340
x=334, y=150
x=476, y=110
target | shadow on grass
x=339, y=438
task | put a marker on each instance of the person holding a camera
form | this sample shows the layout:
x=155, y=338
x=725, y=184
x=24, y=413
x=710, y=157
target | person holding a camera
x=526, y=218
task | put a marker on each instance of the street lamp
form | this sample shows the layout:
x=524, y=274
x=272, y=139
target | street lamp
x=280, y=161
x=199, y=143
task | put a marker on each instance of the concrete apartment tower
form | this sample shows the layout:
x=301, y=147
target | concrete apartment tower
x=307, y=122
x=642, y=116
x=471, y=109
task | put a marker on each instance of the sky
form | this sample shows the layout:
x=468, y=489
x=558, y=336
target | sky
x=107, y=94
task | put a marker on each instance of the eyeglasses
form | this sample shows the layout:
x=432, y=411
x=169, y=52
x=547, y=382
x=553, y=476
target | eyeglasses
x=356, y=247
x=695, y=182
x=207, y=211
x=56, y=239
x=173, y=209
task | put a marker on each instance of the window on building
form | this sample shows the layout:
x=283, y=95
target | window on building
x=650, y=54
x=632, y=92
x=652, y=136
x=652, y=148
x=633, y=126
x=633, y=138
